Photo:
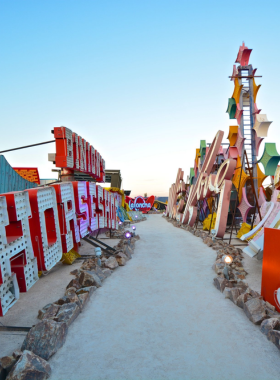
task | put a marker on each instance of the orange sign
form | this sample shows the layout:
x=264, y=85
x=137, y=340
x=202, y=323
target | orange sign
x=30, y=174
x=270, y=267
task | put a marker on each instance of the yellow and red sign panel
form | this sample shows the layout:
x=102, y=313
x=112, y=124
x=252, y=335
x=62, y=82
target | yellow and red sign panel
x=30, y=174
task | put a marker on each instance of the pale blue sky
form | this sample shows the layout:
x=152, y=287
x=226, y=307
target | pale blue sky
x=143, y=81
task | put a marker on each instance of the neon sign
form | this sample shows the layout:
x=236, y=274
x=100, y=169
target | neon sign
x=140, y=204
x=206, y=185
x=75, y=153
x=39, y=225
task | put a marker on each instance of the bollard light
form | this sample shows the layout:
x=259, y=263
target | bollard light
x=134, y=228
x=120, y=223
x=97, y=251
x=98, y=254
x=227, y=259
x=128, y=235
x=136, y=216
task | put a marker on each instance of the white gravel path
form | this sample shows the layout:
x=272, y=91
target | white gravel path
x=160, y=317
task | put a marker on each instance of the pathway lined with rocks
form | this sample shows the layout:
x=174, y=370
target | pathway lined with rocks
x=160, y=317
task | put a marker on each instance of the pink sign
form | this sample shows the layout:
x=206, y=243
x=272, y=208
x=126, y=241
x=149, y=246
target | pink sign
x=207, y=185
x=140, y=203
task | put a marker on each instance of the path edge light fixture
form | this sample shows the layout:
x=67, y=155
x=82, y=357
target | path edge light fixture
x=127, y=235
x=227, y=259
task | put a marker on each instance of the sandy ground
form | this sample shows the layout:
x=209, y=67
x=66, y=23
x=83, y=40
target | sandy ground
x=254, y=269
x=160, y=317
x=48, y=289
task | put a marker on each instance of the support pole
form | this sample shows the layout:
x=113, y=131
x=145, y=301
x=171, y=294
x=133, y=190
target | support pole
x=234, y=211
x=211, y=214
x=27, y=146
x=253, y=187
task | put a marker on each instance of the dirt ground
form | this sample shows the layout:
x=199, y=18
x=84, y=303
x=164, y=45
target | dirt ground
x=48, y=289
x=160, y=317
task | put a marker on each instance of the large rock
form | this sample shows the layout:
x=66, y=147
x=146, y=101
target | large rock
x=68, y=313
x=121, y=258
x=30, y=367
x=242, y=299
x=45, y=338
x=74, y=283
x=70, y=295
x=128, y=252
x=252, y=292
x=218, y=266
x=6, y=364
x=42, y=311
x=274, y=337
x=73, y=297
x=120, y=244
x=100, y=273
x=89, y=289
x=51, y=312
x=107, y=272
x=76, y=272
x=84, y=298
x=209, y=242
x=111, y=263
x=226, y=292
x=88, y=278
x=216, y=247
x=270, y=324
x=63, y=300
x=132, y=245
x=242, y=286
x=133, y=240
x=255, y=310
x=270, y=313
x=220, y=283
x=70, y=291
x=269, y=306
x=17, y=354
x=89, y=264
x=234, y=294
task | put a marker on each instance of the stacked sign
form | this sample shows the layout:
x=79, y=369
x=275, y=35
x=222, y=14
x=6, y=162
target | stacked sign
x=39, y=225
x=207, y=183
x=216, y=168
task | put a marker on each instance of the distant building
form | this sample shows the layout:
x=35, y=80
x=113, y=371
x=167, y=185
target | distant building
x=161, y=199
x=113, y=177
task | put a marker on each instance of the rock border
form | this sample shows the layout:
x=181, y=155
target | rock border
x=46, y=337
x=257, y=310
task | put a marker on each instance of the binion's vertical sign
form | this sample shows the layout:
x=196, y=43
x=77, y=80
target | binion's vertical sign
x=74, y=153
